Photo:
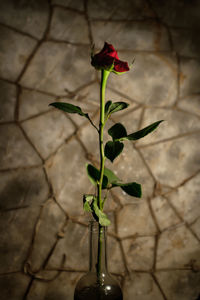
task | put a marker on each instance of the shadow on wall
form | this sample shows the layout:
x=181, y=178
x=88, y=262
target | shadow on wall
x=22, y=188
x=186, y=284
x=182, y=17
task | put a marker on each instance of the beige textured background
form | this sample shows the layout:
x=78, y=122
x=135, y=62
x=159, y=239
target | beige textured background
x=44, y=57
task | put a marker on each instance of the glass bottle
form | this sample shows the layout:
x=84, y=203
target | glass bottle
x=97, y=284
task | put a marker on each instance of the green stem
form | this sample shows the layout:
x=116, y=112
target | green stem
x=104, y=77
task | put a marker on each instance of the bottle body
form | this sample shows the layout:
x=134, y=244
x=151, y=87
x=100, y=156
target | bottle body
x=97, y=284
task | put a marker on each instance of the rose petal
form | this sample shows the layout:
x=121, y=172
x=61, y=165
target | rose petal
x=102, y=61
x=105, y=59
x=111, y=50
x=121, y=66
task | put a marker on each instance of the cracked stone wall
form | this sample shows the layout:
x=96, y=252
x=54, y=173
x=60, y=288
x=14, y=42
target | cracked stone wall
x=154, y=243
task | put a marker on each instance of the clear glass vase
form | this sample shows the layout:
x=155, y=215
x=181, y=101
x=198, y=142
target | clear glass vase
x=97, y=284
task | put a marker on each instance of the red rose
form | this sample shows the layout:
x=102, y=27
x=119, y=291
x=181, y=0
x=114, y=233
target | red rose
x=107, y=59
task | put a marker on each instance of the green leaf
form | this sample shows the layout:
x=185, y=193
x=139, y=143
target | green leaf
x=88, y=197
x=132, y=188
x=117, y=131
x=86, y=207
x=87, y=200
x=69, y=108
x=107, y=107
x=113, y=149
x=141, y=133
x=94, y=176
x=103, y=219
x=111, y=108
x=72, y=109
x=110, y=175
x=117, y=106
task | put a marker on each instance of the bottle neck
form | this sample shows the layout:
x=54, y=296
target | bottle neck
x=98, y=251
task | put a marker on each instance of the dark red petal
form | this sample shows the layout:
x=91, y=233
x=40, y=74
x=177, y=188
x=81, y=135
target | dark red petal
x=111, y=50
x=108, y=50
x=101, y=60
x=106, y=57
x=121, y=66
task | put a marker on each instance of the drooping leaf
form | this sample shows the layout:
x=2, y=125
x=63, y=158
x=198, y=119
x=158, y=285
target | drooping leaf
x=87, y=200
x=94, y=176
x=86, y=207
x=111, y=108
x=102, y=217
x=141, y=133
x=72, y=109
x=132, y=188
x=90, y=205
x=117, y=131
x=113, y=149
x=88, y=197
x=69, y=108
x=110, y=175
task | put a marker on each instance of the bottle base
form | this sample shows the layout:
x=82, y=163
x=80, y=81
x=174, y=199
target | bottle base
x=96, y=292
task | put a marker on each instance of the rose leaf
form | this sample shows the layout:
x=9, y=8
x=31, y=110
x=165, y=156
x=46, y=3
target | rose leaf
x=102, y=217
x=110, y=175
x=111, y=108
x=141, y=133
x=94, y=176
x=87, y=199
x=117, y=131
x=132, y=188
x=69, y=108
x=113, y=149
